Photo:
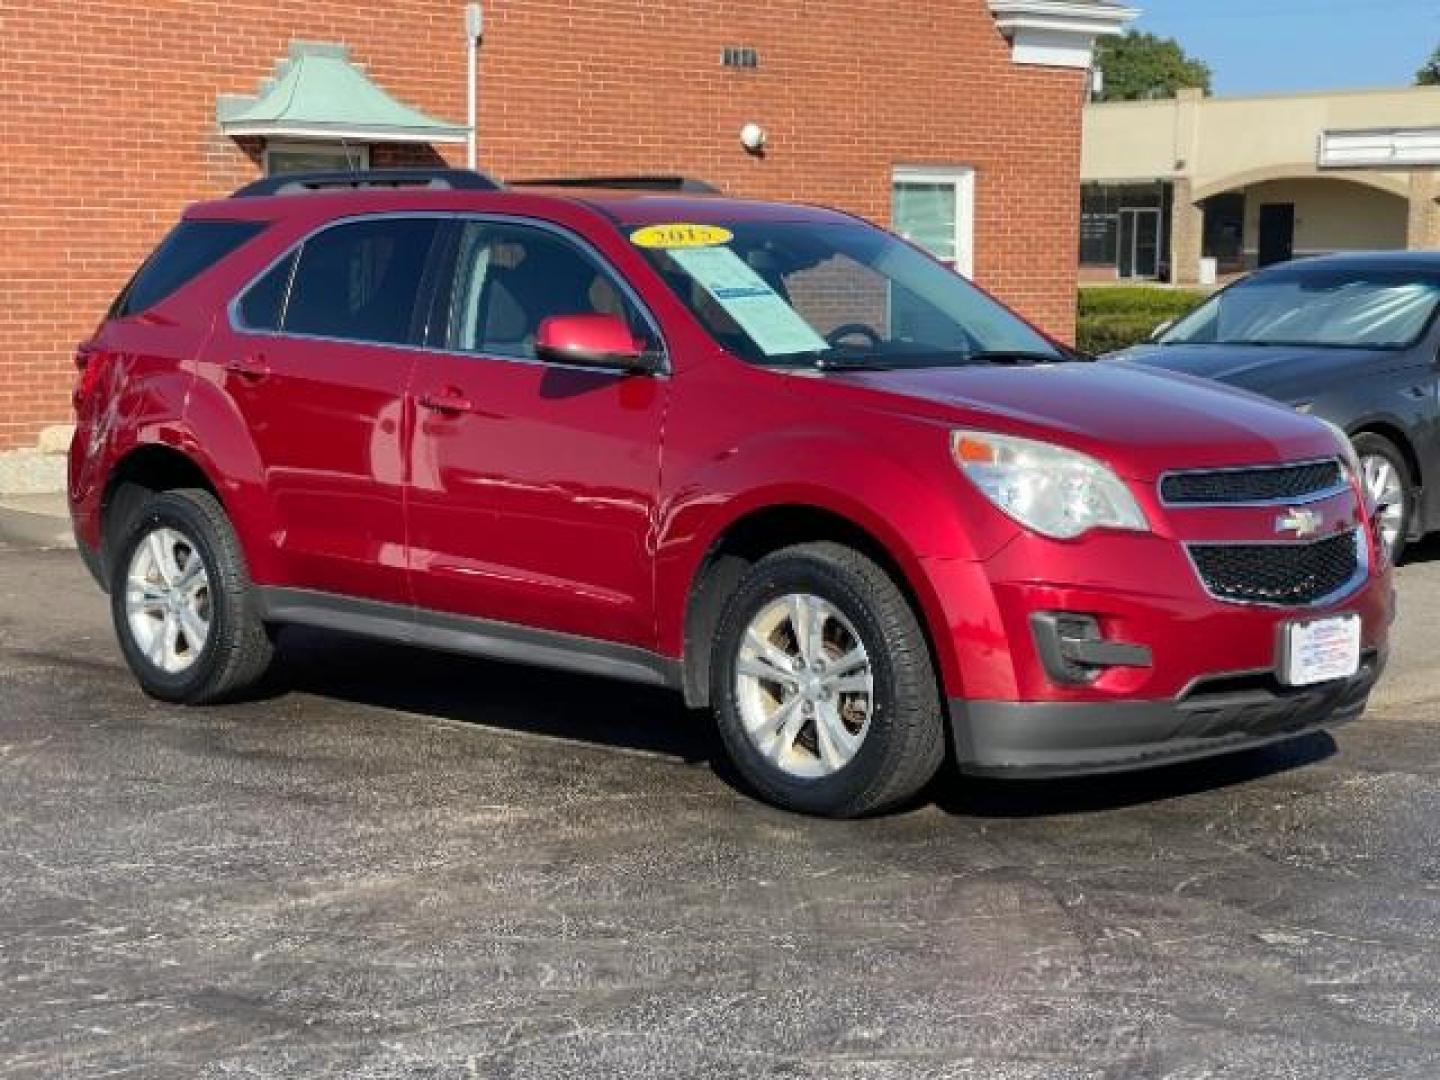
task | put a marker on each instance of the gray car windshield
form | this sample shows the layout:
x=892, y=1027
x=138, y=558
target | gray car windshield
x=842, y=295
x=1376, y=312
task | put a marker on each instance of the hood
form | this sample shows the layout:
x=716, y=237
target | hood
x=1141, y=421
x=1287, y=373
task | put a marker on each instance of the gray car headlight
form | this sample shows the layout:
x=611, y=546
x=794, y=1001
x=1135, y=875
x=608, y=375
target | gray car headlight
x=1056, y=492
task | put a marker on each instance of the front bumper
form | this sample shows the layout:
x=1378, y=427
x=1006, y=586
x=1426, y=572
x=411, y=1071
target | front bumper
x=1055, y=738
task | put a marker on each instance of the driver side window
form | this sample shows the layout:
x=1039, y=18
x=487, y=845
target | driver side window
x=510, y=278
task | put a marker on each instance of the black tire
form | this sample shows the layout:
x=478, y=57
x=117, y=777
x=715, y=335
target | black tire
x=1368, y=444
x=238, y=650
x=905, y=742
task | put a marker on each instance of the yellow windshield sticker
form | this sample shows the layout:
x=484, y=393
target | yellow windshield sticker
x=681, y=234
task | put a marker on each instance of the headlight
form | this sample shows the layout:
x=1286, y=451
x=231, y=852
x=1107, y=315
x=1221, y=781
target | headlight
x=1054, y=491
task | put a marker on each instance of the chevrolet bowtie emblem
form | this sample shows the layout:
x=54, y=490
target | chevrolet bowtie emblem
x=1302, y=523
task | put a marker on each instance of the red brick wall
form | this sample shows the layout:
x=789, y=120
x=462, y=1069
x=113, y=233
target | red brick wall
x=107, y=127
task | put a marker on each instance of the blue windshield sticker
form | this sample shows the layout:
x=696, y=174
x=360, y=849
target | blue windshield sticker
x=775, y=326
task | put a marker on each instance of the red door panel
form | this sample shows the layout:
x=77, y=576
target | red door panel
x=322, y=390
x=329, y=425
x=534, y=505
x=533, y=485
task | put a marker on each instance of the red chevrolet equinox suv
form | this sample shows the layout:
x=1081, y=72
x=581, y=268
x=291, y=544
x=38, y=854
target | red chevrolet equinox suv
x=770, y=456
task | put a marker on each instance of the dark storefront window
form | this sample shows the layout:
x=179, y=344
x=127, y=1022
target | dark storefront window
x=1225, y=231
x=1126, y=226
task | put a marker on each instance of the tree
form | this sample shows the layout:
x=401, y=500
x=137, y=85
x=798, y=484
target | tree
x=1141, y=67
x=1429, y=75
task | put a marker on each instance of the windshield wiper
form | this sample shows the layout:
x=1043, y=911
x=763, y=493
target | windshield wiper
x=914, y=362
x=858, y=362
x=1300, y=344
x=1247, y=344
x=1015, y=357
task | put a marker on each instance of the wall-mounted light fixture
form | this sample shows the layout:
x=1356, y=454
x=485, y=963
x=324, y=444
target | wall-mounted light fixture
x=753, y=138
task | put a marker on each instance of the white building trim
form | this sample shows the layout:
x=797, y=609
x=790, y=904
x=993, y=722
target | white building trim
x=1058, y=33
x=1379, y=149
x=961, y=179
x=340, y=132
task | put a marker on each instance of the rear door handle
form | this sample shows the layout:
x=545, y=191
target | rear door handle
x=251, y=368
x=450, y=402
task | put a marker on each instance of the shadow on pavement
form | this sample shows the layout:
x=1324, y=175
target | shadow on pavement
x=606, y=713
x=1422, y=551
x=491, y=694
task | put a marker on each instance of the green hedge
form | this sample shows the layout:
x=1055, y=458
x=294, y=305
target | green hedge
x=1115, y=317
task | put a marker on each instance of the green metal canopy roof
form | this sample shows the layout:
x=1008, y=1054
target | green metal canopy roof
x=317, y=93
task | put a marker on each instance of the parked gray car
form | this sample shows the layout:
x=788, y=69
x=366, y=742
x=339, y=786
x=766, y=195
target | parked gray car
x=1352, y=339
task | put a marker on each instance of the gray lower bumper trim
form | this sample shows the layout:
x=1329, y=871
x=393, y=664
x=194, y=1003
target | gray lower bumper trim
x=1007, y=738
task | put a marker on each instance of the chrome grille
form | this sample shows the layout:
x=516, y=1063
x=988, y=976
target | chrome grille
x=1263, y=484
x=1287, y=575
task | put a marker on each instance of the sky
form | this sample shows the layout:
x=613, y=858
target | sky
x=1260, y=46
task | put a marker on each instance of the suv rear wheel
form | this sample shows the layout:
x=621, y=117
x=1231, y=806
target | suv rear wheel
x=179, y=596
x=824, y=690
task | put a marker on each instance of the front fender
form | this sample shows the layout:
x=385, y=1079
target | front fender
x=914, y=512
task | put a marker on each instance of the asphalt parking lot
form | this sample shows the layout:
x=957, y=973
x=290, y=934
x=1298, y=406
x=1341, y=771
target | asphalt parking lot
x=403, y=865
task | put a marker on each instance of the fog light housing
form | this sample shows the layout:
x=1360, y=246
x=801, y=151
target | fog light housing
x=1074, y=650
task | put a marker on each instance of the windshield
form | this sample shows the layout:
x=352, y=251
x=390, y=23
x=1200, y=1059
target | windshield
x=833, y=295
x=1358, y=311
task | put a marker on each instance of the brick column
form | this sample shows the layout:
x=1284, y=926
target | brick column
x=1422, y=231
x=1187, y=235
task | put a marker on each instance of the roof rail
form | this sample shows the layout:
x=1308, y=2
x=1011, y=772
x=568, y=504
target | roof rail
x=684, y=184
x=298, y=183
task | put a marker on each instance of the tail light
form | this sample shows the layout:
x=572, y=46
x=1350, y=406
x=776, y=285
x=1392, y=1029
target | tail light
x=90, y=363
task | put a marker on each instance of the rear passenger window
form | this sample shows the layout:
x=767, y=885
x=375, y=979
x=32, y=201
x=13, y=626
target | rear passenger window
x=262, y=305
x=191, y=248
x=360, y=281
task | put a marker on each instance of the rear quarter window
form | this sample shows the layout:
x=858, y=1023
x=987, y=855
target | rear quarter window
x=360, y=281
x=263, y=304
x=191, y=248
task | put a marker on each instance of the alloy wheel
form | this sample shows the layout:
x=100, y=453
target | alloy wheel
x=805, y=686
x=167, y=600
x=1386, y=489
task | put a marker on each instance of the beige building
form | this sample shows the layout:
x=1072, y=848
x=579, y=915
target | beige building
x=1249, y=181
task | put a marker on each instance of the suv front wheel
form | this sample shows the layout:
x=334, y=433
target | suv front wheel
x=179, y=596
x=823, y=686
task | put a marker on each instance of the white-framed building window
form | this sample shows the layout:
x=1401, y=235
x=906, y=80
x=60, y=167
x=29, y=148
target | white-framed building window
x=934, y=207
x=287, y=156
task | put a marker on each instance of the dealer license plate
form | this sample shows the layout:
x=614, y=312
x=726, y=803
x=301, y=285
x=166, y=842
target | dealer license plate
x=1322, y=650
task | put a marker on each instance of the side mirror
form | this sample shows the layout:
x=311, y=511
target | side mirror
x=1159, y=331
x=598, y=341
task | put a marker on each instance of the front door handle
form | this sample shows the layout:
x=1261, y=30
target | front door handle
x=251, y=368
x=450, y=402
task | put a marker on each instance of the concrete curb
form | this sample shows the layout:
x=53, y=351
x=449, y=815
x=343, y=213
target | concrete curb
x=35, y=521
x=29, y=472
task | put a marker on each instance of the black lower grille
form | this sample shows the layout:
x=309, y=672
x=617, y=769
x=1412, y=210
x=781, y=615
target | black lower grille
x=1279, y=483
x=1283, y=574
